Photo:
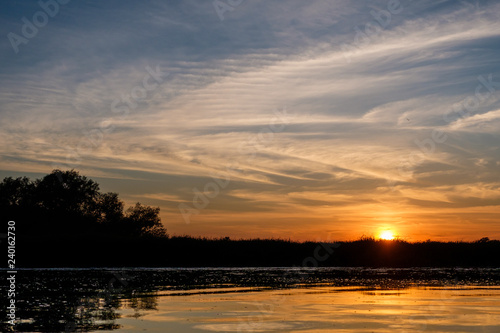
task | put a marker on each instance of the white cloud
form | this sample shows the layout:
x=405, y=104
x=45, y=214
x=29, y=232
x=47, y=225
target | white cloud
x=351, y=122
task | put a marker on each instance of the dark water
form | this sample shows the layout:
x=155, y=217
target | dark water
x=257, y=300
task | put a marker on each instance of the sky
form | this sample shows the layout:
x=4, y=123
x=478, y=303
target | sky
x=303, y=120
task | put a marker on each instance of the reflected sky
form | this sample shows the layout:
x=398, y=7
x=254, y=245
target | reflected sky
x=323, y=309
x=257, y=300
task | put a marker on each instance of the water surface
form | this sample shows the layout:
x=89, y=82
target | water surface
x=259, y=300
x=324, y=309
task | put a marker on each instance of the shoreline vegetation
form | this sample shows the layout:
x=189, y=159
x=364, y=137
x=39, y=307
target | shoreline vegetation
x=95, y=252
x=63, y=221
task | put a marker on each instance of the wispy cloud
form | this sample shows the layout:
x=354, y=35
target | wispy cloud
x=353, y=122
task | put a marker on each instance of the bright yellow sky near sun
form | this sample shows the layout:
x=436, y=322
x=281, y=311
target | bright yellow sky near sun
x=326, y=135
x=337, y=224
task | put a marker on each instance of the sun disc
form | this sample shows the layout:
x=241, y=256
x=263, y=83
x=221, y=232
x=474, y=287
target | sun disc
x=387, y=235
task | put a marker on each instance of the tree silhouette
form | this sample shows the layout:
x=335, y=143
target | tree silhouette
x=144, y=220
x=63, y=220
x=64, y=202
x=15, y=192
x=111, y=208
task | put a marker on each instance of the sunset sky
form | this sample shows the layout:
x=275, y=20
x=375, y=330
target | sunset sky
x=294, y=119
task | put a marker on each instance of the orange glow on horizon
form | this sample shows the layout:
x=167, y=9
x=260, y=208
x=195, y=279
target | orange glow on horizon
x=387, y=235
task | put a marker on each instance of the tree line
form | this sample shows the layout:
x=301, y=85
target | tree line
x=67, y=203
x=65, y=212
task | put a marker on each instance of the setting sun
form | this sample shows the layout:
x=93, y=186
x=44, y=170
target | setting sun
x=386, y=235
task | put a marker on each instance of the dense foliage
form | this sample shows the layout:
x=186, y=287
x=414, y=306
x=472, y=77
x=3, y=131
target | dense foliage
x=65, y=212
x=66, y=203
